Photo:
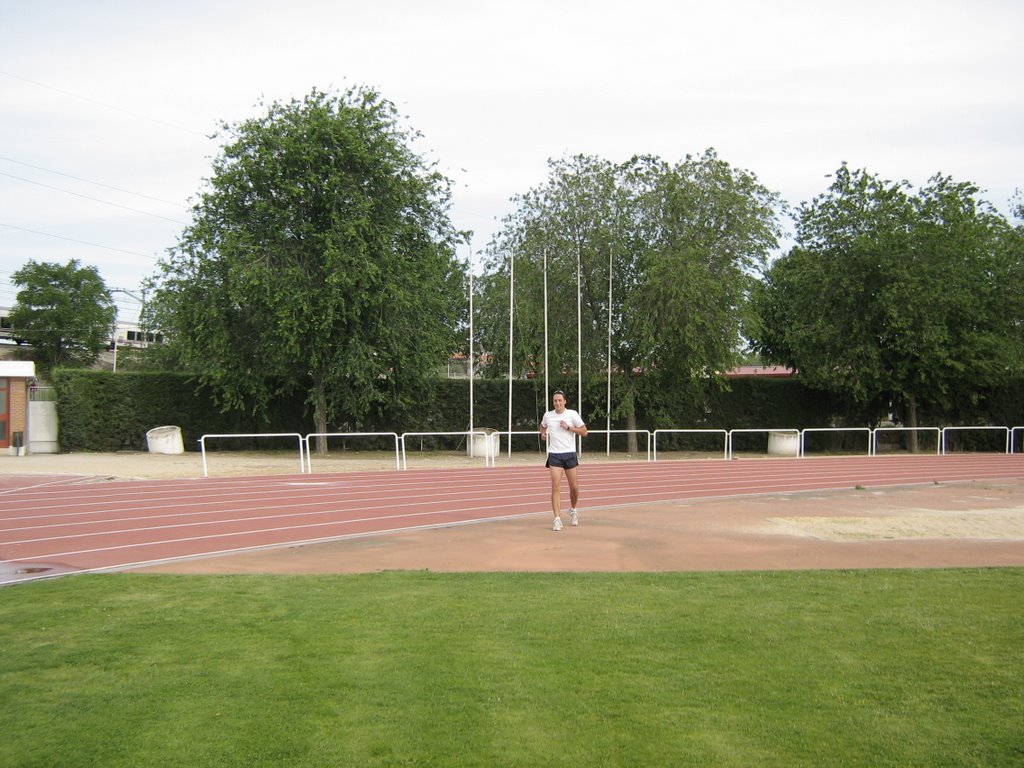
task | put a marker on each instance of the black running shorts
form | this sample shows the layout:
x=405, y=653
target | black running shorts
x=563, y=460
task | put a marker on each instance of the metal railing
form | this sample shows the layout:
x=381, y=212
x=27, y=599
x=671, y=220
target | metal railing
x=37, y=394
x=492, y=439
x=296, y=435
x=936, y=430
x=783, y=431
x=621, y=432
x=803, y=435
x=309, y=453
x=489, y=453
x=946, y=430
x=1013, y=432
x=723, y=432
x=522, y=433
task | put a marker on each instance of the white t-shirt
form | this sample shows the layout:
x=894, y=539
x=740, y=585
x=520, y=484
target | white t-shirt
x=560, y=439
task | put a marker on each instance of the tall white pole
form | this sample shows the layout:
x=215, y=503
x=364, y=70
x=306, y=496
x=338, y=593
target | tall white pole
x=579, y=335
x=472, y=367
x=546, y=395
x=511, y=308
x=608, y=442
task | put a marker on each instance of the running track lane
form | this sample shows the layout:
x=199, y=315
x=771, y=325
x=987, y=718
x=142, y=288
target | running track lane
x=49, y=526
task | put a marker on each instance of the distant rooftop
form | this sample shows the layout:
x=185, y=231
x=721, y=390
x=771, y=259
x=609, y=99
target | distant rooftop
x=762, y=371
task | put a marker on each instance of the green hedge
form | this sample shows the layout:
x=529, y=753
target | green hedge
x=104, y=411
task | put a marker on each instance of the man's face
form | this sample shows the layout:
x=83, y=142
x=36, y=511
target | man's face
x=559, y=402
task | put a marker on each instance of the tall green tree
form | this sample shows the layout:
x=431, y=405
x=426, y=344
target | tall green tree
x=566, y=227
x=895, y=294
x=320, y=257
x=1016, y=274
x=65, y=311
x=681, y=243
x=706, y=231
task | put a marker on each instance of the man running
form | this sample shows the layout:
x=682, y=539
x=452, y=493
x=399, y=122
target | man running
x=559, y=428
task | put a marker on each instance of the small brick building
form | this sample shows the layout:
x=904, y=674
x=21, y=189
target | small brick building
x=16, y=377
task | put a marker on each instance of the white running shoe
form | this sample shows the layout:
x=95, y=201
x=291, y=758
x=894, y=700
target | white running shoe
x=574, y=518
x=558, y=524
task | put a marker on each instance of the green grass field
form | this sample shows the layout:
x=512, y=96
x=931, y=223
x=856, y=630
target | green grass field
x=843, y=668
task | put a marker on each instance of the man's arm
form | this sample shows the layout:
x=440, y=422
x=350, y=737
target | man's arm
x=574, y=424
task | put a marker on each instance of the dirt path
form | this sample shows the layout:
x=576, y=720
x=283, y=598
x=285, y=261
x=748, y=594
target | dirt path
x=958, y=525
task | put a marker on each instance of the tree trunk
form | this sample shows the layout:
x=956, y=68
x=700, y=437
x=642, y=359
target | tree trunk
x=320, y=414
x=912, y=444
x=631, y=437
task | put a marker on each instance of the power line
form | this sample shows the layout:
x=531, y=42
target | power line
x=94, y=199
x=96, y=183
x=121, y=296
x=80, y=242
x=102, y=104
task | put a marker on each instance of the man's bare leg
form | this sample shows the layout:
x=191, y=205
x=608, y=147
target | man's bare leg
x=574, y=487
x=556, y=490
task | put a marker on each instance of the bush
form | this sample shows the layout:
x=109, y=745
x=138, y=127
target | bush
x=104, y=411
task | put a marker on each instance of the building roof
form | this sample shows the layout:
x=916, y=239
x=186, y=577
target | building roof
x=17, y=369
x=763, y=371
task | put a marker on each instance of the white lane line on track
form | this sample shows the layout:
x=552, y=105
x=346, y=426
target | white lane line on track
x=610, y=503
x=62, y=481
x=600, y=491
x=311, y=513
x=192, y=491
x=970, y=475
x=620, y=492
x=596, y=487
x=393, y=479
x=247, y=503
x=252, y=532
x=256, y=547
x=333, y=537
x=635, y=492
x=632, y=495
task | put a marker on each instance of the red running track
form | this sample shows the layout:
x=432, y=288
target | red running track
x=51, y=525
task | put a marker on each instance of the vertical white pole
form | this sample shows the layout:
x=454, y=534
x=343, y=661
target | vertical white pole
x=608, y=443
x=546, y=395
x=579, y=336
x=472, y=366
x=511, y=309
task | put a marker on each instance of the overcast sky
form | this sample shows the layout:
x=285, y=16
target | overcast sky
x=106, y=106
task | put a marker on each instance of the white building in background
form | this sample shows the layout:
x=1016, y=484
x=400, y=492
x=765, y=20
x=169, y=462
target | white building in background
x=126, y=333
